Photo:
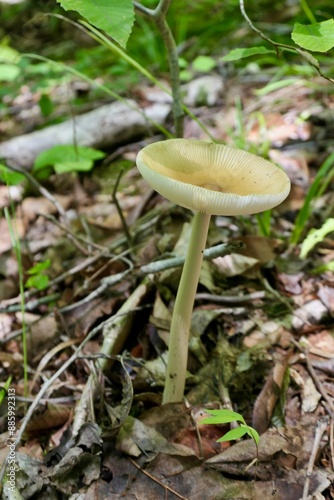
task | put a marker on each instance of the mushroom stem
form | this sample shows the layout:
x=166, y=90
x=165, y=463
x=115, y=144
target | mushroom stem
x=184, y=302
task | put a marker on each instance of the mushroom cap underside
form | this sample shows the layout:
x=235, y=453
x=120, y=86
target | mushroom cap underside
x=212, y=178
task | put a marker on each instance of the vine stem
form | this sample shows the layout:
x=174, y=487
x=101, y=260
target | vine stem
x=184, y=303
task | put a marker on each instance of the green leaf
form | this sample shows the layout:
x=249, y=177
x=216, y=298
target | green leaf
x=9, y=55
x=317, y=37
x=236, y=433
x=4, y=388
x=273, y=86
x=222, y=417
x=316, y=236
x=67, y=158
x=326, y=267
x=236, y=54
x=9, y=177
x=185, y=75
x=9, y=72
x=228, y=416
x=203, y=64
x=39, y=281
x=41, y=266
x=253, y=434
x=116, y=18
x=46, y=105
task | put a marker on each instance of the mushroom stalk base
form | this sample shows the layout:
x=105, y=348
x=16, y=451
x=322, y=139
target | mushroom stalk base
x=184, y=303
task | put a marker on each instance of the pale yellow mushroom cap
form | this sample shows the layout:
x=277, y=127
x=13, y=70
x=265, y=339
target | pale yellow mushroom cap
x=212, y=178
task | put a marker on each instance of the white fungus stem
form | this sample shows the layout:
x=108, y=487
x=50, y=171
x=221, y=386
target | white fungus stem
x=184, y=303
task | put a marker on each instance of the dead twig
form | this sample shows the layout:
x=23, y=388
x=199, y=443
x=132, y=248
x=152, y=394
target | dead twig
x=156, y=480
x=115, y=334
x=31, y=305
x=231, y=299
x=209, y=254
x=106, y=283
x=127, y=233
x=319, y=431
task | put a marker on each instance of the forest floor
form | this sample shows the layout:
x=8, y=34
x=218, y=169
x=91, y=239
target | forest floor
x=262, y=332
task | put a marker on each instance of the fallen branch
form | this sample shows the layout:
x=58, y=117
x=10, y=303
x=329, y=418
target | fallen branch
x=101, y=128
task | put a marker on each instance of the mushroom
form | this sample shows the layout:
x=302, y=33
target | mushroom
x=209, y=179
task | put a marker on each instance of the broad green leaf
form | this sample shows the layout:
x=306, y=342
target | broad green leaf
x=317, y=37
x=9, y=177
x=203, y=64
x=67, y=158
x=9, y=55
x=9, y=72
x=236, y=54
x=316, y=236
x=236, y=433
x=116, y=18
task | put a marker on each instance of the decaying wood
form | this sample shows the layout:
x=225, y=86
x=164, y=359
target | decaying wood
x=106, y=126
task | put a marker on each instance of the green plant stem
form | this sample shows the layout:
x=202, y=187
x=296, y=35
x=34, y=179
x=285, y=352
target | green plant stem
x=10, y=218
x=184, y=302
x=174, y=72
x=307, y=11
x=103, y=40
x=159, y=17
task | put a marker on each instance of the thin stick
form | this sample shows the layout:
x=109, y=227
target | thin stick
x=321, y=426
x=120, y=211
x=209, y=254
x=156, y=480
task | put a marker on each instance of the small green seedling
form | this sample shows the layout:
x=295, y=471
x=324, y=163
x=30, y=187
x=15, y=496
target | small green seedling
x=37, y=277
x=4, y=388
x=219, y=417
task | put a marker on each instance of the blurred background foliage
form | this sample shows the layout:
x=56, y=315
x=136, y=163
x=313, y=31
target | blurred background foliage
x=203, y=28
